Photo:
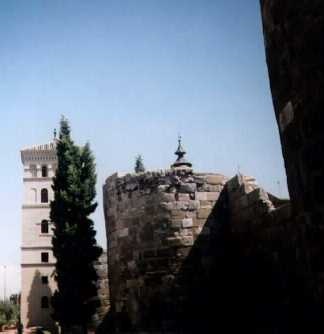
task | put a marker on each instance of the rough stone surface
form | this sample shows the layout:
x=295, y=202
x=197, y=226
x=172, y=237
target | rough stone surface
x=163, y=214
x=294, y=43
x=103, y=292
x=188, y=263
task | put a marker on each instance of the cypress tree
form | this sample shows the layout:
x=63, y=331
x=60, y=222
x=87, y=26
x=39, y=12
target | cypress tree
x=139, y=165
x=74, y=243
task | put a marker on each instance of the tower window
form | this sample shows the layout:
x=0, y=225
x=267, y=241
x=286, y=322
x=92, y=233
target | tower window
x=44, y=171
x=44, y=257
x=44, y=279
x=44, y=196
x=44, y=302
x=44, y=226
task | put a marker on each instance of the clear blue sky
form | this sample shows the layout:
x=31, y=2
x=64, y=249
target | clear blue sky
x=130, y=75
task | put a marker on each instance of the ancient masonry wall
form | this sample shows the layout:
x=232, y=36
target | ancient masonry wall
x=170, y=236
x=103, y=290
x=153, y=220
x=293, y=35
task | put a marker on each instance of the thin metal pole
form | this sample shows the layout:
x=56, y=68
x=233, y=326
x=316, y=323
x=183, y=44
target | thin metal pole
x=4, y=282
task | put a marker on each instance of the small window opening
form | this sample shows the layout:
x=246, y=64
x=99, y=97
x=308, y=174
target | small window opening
x=44, y=226
x=44, y=279
x=44, y=171
x=44, y=196
x=44, y=257
x=44, y=302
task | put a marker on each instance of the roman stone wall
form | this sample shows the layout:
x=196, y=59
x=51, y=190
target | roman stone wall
x=178, y=243
x=294, y=44
x=293, y=32
x=103, y=291
x=153, y=221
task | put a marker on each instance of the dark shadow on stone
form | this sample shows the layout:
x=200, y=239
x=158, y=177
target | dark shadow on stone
x=243, y=282
x=246, y=280
x=108, y=324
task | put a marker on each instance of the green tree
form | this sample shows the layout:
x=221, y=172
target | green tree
x=139, y=165
x=9, y=313
x=74, y=243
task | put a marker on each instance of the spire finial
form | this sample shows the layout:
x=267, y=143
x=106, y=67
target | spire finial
x=180, y=152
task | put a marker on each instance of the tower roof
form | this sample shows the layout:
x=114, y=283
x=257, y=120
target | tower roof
x=41, y=147
x=181, y=161
x=39, y=152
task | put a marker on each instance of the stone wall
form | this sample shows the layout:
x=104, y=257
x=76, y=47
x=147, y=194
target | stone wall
x=187, y=252
x=103, y=291
x=294, y=43
x=153, y=221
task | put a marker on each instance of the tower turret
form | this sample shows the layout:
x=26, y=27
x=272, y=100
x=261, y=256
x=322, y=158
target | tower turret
x=181, y=161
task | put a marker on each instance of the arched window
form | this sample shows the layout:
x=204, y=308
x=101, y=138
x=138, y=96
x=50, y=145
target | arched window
x=44, y=196
x=44, y=302
x=44, y=226
x=44, y=171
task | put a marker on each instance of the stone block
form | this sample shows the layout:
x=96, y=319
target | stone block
x=201, y=196
x=212, y=196
x=209, y=187
x=174, y=241
x=167, y=205
x=203, y=213
x=207, y=204
x=197, y=230
x=187, y=222
x=186, y=232
x=176, y=223
x=183, y=197
x=187, y=241
x=200, y=222
x=168, y=197
x=181, y=205
x=123, y=232
x=199, y=180
x=187, y=187
x=215, y=179
x=163, y=188
x=131, y=186
x=193, y=205
x=178, y=214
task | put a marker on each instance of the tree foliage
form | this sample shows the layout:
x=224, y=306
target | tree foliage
x=139, y=165
x=9, y=313
x=74, y=243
